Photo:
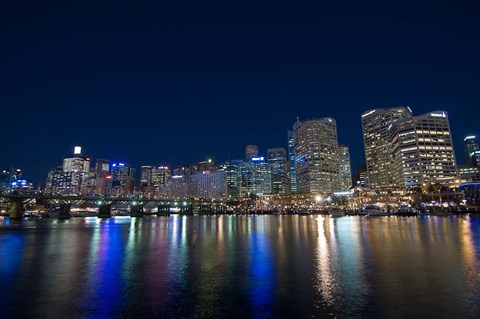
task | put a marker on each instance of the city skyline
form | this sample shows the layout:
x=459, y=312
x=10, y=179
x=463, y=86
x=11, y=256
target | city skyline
x=460, y=157
x=180, y=83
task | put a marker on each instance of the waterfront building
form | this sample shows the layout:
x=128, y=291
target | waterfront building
x=316, y=156
x=423, y=151
x=279, y=166
x=471, y=192
x=254, y=177
x=472, y=151
x=251, y=151
x=123, y=179
x=208, y=184
x=345, y=171
x=291, y=161
x=376, y=124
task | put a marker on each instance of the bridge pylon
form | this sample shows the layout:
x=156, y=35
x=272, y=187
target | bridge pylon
x=16, y=209
x=136, y=210
x=104, y=211
x=65, y=211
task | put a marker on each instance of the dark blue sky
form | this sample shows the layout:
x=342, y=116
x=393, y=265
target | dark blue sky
x=180, y=81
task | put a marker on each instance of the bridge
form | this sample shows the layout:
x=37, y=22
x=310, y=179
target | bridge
x=15, y=204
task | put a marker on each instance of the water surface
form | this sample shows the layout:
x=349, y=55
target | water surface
x=240, y=267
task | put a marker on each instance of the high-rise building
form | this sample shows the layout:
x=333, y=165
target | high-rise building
x=231, y=169
x=123, y=179
x=291, y=161
x=345, y=171
x=11, y=179
x=376, y=124
x=316, y=156
x=254, y=177
x=423, y=151
x=362, y=175
x=472, y=151
x=251, y=151
x=103, y=177
x=146, y=179
x=277, y=159
x=73, y=176
x=160, y=177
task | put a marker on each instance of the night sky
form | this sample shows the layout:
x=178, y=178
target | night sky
x=181, y=81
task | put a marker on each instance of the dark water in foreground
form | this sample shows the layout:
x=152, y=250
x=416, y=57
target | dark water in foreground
x=241, y=267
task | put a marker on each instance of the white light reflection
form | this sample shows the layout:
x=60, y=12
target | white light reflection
x=326, y=282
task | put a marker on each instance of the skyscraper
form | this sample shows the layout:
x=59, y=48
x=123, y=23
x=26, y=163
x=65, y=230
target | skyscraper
x=146, y=179
x=376, y=124
x=231, y=169
x=251, y=151
x=74, y=175
x=160, y=177
x=472, y=151
x=103, y=177
x=291, y=161
x=123, y=179
x=345, y=171
x=277, y=159
x=254, y=177
x=423, y=150
x=316, y=156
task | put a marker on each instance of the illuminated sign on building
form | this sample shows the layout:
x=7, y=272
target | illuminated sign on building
x=438, y=114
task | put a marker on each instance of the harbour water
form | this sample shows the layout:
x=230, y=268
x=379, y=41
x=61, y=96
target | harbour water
x=241, y=267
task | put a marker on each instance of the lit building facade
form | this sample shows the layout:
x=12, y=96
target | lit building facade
x=316, y=156
x=423, y=151
x=73, y=176
x=176, y=187
x=123, y=179
x=146, y=179
x=376, y=125
x=11, y=179
x=472, y=151
x=208, y=184
x=160, y=176
x=279, y=166
x=103, y=177
x=254, y=177
x=291, y=161
x=469, y=173
x=345, y=171
x=231, y=169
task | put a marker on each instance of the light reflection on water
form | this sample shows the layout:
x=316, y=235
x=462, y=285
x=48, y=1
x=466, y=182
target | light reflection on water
x=241, y=267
